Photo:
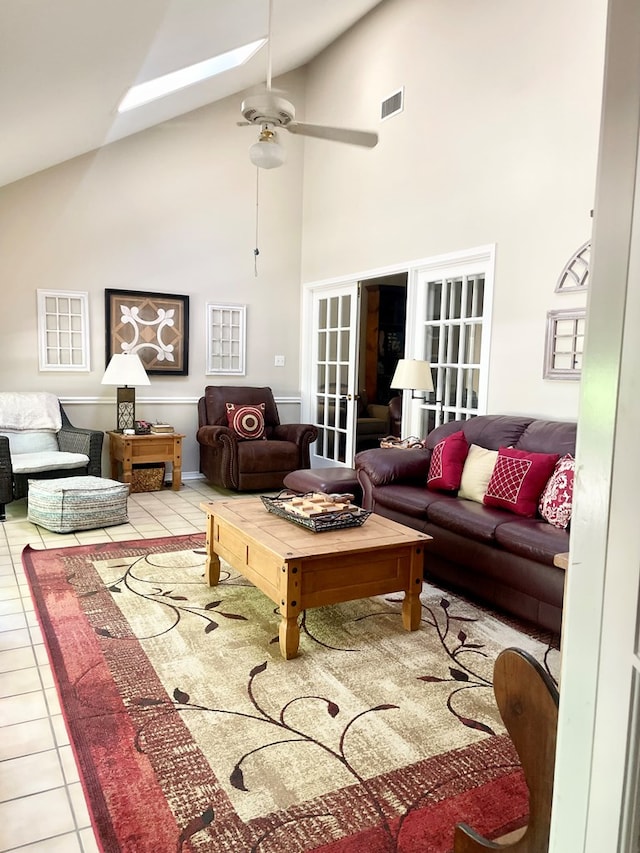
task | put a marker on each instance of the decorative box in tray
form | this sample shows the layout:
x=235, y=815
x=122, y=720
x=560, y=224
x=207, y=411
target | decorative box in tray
x=317, y=511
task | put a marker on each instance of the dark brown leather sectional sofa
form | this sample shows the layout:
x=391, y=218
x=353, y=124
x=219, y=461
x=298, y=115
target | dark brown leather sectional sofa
x=488, y=553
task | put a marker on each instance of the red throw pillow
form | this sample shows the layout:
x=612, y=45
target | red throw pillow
x=556, y=500
x=447, y=462
x=518, y=480
x=246, y=421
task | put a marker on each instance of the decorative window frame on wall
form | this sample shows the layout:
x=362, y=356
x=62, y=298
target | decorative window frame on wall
x=575, y=275
x=63, y=330
x=564, y=344
x=226, y=339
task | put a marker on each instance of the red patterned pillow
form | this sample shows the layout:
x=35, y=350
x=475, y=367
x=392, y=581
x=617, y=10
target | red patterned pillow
x=518, y=480
x=557, y=497
x=447, y=462
x=246, y=421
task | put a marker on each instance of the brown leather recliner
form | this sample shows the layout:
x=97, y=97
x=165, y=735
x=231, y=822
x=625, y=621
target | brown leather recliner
x=243, y=465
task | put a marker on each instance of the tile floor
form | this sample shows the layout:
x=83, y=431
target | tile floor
x=42, y=807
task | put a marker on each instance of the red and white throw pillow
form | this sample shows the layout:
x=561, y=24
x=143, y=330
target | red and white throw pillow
x=447, y=462
x=246, y=421
x=555, y=504
x=518, y=480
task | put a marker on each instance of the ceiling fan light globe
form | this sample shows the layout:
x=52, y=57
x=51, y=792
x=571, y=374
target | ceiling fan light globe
x=266, y=154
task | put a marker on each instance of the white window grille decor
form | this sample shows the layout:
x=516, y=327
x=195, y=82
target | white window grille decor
x=226, y=338
x=63, y=330
x=575, y=275
x=564, y=345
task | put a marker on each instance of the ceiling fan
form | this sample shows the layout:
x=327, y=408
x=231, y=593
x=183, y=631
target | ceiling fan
x=270, y=110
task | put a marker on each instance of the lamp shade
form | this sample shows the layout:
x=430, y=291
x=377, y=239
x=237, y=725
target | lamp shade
x=413, y=374
x=266, y=154
x=125, y=369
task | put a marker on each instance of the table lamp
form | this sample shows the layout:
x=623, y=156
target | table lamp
x=411, y=374
x=126, y=371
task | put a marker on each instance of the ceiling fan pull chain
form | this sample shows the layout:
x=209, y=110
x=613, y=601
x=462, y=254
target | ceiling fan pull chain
x=256, y=251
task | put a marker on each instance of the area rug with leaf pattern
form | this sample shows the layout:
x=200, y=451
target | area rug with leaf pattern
x=192, y=734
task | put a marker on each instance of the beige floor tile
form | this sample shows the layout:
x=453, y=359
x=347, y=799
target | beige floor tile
x=8, y=608
x=29, y=774
x=17, y=823
x=18, y=709
x=53, y=703
x=79, y=804
x=14, y=639
x=13, y=621
x=40, y=651
x=67, y=843
x=26, y=739
x=19, y=682
x=89, y=843
x=69, y=766
x=12, y=659
x=59, y=730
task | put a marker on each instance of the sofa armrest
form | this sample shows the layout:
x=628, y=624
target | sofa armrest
x=297, y=433
x=391, y=465
x=211, y=435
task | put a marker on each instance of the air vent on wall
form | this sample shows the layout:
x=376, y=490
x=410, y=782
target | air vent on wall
x=392, y=105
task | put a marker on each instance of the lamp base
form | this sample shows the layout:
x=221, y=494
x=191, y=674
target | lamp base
x=126, y=408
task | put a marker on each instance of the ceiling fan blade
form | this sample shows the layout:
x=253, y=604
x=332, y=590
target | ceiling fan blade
x=366, y=138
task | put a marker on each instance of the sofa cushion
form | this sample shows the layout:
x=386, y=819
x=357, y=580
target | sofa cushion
x=409, y=500
x=533, y=539
x=468, y=518
x=518, y=479
x=477, y=471
x=31, y=441
x=447, y=462
x=32, y=463
x=556, y=500
x=246, y=421
x=548, y=437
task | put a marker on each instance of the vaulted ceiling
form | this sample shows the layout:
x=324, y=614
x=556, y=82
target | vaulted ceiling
x=66, y=64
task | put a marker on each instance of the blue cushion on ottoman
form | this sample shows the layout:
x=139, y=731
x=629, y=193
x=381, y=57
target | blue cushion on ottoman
x=77, y=503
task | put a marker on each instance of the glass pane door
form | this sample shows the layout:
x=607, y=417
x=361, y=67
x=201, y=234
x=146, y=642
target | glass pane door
x=334, y=371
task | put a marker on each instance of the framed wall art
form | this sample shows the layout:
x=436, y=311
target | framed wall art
x=155, y=326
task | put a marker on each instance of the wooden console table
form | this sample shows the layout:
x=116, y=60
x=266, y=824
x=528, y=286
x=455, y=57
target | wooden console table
x=125, y=451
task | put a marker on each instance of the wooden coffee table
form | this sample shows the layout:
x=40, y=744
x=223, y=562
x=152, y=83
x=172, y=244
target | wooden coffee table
x=297, y=568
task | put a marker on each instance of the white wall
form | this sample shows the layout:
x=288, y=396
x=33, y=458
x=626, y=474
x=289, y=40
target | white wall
x=497, y=144
x=171, y=209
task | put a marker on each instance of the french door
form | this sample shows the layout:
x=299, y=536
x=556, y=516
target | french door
x=332, y=370
x=450, y=329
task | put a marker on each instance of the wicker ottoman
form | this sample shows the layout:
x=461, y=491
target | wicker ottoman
x=77, y=503
x=329, y=480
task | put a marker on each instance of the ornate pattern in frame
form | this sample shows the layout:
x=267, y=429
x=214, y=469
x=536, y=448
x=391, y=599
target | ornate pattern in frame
x=155, y=326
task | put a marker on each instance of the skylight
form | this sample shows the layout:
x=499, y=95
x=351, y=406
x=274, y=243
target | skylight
x=143, y=93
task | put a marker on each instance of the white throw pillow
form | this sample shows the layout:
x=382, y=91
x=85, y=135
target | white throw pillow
x=477, y=471
x=31, y=441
